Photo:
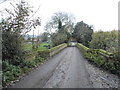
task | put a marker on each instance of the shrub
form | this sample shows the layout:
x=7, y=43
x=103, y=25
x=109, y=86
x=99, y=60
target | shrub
x=101, y=58
x=44, y=53
x=39, y=60
x=30, y=64
x=33, y=63
x=25, y=69
x=10, y=72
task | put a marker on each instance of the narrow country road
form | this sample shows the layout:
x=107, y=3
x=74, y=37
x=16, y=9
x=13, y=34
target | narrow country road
x=68, y=69
x=64, y=70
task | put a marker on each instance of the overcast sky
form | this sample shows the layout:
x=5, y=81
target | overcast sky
x=102, y=14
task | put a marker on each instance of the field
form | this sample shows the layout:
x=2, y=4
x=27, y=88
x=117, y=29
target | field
x=42, y=46
x=28, y=46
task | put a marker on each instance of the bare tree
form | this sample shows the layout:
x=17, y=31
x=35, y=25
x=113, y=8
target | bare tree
x=62, y=23
x=2, y=1
x=59, y=19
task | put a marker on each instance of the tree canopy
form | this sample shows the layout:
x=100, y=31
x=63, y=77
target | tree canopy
x=83, y=33
x=60, y=19
x=63, y=23
x=105, y=40
x=14, y=27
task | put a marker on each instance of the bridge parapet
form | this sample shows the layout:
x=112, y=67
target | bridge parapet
x=101, y=58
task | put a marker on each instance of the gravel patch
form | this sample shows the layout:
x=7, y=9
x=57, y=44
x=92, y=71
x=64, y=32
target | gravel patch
x=101, y=78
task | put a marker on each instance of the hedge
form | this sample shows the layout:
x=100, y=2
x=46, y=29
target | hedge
x=101, y=58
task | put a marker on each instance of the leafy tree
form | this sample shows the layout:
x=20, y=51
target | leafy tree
x=45, y=37
x=83, y=33
x=14, y=27
x=58, y=38
x=62, y=23
x=61, y=36
x=105, y=40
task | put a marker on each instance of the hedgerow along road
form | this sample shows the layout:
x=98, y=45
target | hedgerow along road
x=65, y=70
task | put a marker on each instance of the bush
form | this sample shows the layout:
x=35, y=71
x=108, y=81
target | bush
x=101, y=58
x=44, y=53
x=10, y=72
x=30, y=64
x=39, y=60
x=105, y=40
x=12, y=47
x=35, y=62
